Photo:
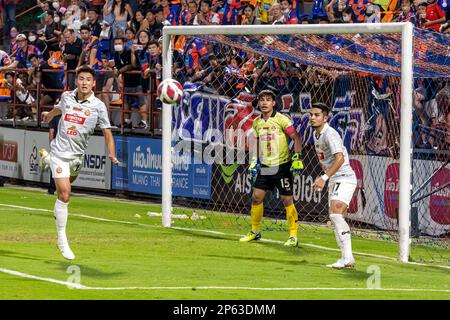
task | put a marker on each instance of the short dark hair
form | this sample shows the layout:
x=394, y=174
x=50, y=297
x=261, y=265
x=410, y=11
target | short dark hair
x=153, y=42
x=208, y=2
x=85, y=69
x=120, y=38
x=322, y=106
x=69, y=29
x=93, y=10
x=265, y=93
x=85, y=27
x=249, y=6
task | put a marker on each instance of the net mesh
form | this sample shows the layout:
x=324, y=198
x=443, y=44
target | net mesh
x=359, y=76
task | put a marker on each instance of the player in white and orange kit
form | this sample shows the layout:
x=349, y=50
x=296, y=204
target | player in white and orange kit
x=333, y=158
x=80, y=113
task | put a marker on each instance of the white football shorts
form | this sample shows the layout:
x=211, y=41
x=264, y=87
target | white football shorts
x=341, y=191
x=62, y=168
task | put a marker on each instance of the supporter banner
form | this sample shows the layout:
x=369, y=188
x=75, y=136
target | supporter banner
x=209, y=118
x=34, y=141
x=12, y=145
x=120, y=172
x=144, y=165
x=380, y=207
x=96, y=171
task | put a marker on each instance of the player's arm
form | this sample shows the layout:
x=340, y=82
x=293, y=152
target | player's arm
x=46, y=118
x=337, y=163
x=335, y=143
x=109, y=140
x=254, y=162
x=297, y=162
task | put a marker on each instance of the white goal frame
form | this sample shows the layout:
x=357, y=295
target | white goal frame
x=407, y=52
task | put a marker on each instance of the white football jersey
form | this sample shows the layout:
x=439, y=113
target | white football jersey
x=327, y=145
x=77, y=124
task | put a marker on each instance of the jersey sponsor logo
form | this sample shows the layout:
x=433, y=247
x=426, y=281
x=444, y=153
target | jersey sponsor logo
x=72, y=131
x=73, y=118
x=78, y=109
x=59, y=170
x=87, y=113
x=268, y=137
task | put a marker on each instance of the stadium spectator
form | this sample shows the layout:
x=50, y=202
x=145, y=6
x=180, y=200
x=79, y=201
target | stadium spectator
x=372, y=13
x=130, y=36
x=168, y=14
x=249, y=16
x=194, y=50
x=435, y=16
x=144, y=55
x=131, y=82
x=445, y=27
x=348, y=15
x=263, y=8
x=276, y=14
x=407, y=15
x=206, y=16
x=93, y=22
x=52, y=34
x=33, y=39
x=139, y=23
x=9, y=15
x=188, y=16
x=290, y=16
x=13, y=46
x=122, y=14
x=90, y=54
x=154, y=27
x=22, y=57
x=22, y=96
x=71, y=55
x=41, y=73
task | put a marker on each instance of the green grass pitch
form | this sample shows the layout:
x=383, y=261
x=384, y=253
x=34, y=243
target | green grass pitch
x=142, y=260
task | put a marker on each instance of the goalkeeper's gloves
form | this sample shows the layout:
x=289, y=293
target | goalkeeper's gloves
x=297, y=164
x=253, y=169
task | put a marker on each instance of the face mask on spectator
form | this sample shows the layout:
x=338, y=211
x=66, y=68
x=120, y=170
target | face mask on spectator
x=32, y=38
x=55, y=5
x=64, y=22
x=286, y=11
x=118, y=47
x=57, y=19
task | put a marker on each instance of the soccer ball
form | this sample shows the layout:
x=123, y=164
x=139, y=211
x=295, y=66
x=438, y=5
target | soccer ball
x=170, y=91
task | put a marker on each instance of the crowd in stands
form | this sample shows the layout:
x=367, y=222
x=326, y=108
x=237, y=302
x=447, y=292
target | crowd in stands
x=117, y=37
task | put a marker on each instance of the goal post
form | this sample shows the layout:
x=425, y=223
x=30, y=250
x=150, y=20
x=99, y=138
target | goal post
x=407, y=54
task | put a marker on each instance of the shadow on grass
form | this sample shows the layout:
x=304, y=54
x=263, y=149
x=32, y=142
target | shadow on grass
x=13, y=254
x=85, y=271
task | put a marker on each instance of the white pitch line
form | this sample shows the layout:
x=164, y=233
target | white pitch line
x=372, y=255
x=156, y=288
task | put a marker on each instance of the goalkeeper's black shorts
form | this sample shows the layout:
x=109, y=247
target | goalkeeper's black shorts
x=278, y=176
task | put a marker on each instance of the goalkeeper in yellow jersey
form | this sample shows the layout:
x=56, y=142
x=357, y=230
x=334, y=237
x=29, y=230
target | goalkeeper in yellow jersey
x=274, y=165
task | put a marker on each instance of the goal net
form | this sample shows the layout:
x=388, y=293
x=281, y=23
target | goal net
x=375, y=82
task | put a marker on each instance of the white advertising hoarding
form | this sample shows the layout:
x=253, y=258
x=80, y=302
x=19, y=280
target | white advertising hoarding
x=12, y=143
x=96, y=171
x=34, y=141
